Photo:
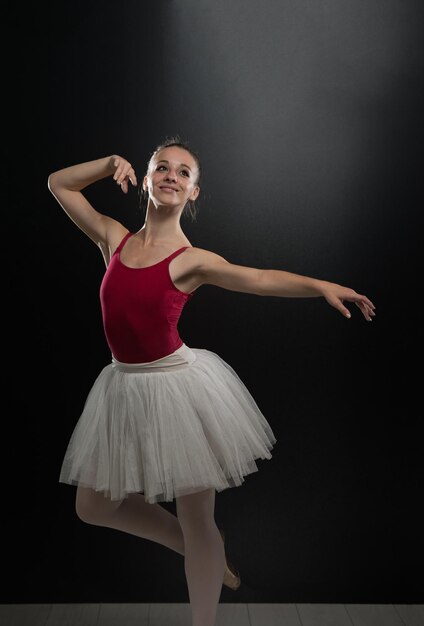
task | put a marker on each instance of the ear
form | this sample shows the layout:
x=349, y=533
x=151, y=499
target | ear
x=145, y=183
x=195, y=193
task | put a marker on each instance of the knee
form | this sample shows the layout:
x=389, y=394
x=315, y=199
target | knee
x=92, y=507
x=196, y=510
x=86, y=511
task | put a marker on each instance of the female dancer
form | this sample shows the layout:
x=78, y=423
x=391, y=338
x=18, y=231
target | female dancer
x=164, y=420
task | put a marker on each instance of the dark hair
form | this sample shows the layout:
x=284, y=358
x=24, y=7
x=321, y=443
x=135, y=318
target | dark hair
x=190, y=207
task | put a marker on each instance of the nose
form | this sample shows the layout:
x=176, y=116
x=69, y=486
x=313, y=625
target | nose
x=170, y=175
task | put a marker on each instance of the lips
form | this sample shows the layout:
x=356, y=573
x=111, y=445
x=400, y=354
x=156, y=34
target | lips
x=168, y=188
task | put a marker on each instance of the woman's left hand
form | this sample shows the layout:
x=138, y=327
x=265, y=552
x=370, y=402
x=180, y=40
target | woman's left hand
x=336, y=295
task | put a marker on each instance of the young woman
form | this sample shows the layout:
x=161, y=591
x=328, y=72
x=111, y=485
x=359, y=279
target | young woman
x=164, y=420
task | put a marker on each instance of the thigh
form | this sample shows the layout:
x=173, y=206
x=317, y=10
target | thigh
x=93, y=506
x=199, y=505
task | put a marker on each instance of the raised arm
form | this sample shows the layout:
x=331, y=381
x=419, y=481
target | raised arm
x=66, y=185
x=215, y=270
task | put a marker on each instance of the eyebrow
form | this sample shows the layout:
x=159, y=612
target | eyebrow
x=165, y=161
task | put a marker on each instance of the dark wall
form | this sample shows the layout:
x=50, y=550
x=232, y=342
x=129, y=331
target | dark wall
x=307, y=116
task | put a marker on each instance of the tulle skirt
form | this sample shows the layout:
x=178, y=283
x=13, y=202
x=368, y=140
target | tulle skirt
x=168, y=428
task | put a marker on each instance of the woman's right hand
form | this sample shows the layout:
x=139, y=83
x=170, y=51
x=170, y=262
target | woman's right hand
x=123, y=172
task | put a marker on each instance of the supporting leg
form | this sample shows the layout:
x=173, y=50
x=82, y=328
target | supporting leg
x=204, y=561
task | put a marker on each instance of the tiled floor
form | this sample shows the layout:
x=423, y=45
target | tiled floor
x=228, y=615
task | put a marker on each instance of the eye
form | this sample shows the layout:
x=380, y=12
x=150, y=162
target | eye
x=183, y=171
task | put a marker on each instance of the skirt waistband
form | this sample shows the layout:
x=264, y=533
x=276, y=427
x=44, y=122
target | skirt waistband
x=182, y=356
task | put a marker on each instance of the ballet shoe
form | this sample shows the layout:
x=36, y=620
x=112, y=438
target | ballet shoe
x=231, y=575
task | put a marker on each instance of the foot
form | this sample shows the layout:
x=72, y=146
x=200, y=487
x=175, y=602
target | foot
x=231, y=575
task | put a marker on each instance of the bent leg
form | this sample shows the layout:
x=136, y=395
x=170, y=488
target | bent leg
x=132, y=515
x=204, y=561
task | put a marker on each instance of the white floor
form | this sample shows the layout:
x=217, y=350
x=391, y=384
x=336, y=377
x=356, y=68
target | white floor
x=228, y=615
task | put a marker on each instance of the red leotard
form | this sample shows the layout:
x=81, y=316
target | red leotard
x=141, y=308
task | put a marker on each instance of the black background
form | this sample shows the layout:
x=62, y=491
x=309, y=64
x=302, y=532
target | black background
x=308, y=120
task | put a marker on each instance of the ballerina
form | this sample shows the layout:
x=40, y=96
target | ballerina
x=164, y=420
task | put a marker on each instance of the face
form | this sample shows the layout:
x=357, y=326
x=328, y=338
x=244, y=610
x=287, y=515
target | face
x=171, y=177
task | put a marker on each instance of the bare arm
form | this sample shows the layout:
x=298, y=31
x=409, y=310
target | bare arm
x=215, y=270
x=66, y=185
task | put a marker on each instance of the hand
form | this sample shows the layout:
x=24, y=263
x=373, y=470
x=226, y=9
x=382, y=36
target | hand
x=336, y=295
x=124, y=172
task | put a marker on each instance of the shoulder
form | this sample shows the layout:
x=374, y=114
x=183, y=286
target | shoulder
x=202, y=259
x=203, y=263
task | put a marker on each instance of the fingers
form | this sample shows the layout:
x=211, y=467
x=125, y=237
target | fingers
x=366, y=301
x=337, y=303
x=124, y=172
x=337, y=295
x=366, y=310
x=364, y=305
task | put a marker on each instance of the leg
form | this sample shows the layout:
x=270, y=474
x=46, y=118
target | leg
x=204, y=561
x=132, y=515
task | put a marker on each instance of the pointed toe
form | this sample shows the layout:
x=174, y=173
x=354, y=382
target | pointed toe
x=231, y=574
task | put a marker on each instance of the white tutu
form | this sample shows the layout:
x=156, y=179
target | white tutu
x=167, y=428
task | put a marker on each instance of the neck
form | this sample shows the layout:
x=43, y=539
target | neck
x=161, y=225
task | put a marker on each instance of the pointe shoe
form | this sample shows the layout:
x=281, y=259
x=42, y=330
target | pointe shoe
x=231, y=575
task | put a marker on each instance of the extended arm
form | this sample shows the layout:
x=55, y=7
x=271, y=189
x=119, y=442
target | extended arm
x=215, y=270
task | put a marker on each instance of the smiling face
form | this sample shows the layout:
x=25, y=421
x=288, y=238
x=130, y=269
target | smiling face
x=172, y=177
